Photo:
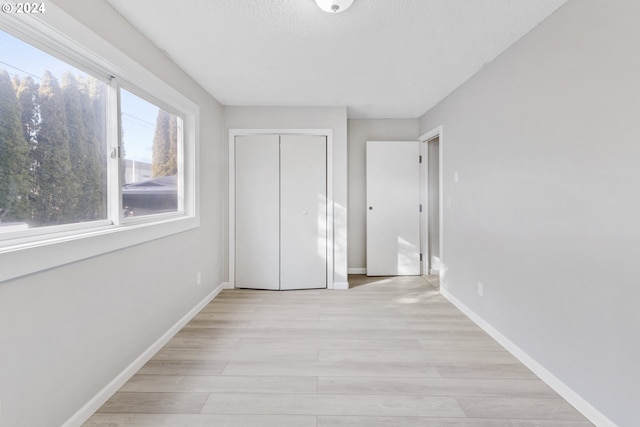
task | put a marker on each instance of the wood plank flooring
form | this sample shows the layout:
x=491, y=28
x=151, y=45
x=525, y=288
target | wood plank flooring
x=387, y=352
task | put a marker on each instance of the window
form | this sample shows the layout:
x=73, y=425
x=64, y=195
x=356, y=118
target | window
x=91, y=144
x=53, y=166
x=150, y=140
x=53, y=146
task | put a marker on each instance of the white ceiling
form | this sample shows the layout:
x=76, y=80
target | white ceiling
x=380, y=58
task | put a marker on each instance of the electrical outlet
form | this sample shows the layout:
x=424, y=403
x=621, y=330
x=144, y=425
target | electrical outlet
x=480, y=289
x=199, y=278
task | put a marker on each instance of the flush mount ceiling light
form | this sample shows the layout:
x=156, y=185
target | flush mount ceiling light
x=334, y=6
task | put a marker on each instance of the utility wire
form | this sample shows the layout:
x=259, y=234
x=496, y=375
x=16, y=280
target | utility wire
x=151, y=125
x=142, y=121
x=21, y=70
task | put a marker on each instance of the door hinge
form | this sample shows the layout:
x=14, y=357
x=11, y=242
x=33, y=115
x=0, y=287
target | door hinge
x=420, y=159
x=420, y=257
x=420, y=207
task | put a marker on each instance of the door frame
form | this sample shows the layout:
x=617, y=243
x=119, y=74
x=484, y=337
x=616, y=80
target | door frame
x=436, y=132
x=328, y=133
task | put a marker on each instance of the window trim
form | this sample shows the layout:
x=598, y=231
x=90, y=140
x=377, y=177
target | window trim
x=50, y=247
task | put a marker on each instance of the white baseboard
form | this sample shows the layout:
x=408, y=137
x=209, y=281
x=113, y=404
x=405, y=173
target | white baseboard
x=432, y=271
x=227, y=285
x=103, y=395
x=341, y=285
x=567, y=393
x=357, y=271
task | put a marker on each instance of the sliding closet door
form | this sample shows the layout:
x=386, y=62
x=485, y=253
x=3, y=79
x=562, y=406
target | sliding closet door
x=303, y=212
x=257, y=212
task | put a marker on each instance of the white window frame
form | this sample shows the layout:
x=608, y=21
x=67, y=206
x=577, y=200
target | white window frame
x=29, y=251
x=115, y=183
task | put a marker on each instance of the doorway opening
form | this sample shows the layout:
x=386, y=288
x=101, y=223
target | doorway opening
x=433, y=266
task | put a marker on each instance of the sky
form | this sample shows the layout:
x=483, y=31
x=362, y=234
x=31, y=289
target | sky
x=138, y=119
x=138, y=116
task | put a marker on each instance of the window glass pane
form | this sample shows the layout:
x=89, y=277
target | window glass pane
x=52, y=140
x=150, y=162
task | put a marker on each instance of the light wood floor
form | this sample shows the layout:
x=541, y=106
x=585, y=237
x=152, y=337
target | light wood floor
x=387, y=352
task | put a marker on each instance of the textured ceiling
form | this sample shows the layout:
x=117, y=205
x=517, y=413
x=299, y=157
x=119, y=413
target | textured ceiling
x=380, y=58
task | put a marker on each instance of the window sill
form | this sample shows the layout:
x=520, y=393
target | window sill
x=55, y=251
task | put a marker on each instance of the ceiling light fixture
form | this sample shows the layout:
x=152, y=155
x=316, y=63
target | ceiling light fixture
x=334, y=6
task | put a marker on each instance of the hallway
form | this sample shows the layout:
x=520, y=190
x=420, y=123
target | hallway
x=387, y=352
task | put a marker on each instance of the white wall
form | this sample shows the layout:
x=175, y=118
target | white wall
x=361, y=131
x=306, y=118
x=68, y=331
x=546, y=213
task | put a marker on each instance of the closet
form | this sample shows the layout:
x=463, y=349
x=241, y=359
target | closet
x=280, y=211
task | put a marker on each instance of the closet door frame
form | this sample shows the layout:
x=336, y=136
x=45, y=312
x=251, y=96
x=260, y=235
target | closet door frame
x=233, y=133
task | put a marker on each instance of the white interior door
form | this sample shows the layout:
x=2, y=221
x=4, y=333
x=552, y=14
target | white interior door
x=393, y=208
x=257, y=212
x=303, y=212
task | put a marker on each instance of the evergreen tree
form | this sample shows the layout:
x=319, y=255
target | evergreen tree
x=77, y=137
x=172, y=160
x=27, y=93
x=94, y=111
x=98, y=93
x=165, y=145
x=14, y=156
x=82, y=148
x=57, y=190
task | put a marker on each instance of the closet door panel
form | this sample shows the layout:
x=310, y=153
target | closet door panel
x=303, y=212
x=257, y=212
